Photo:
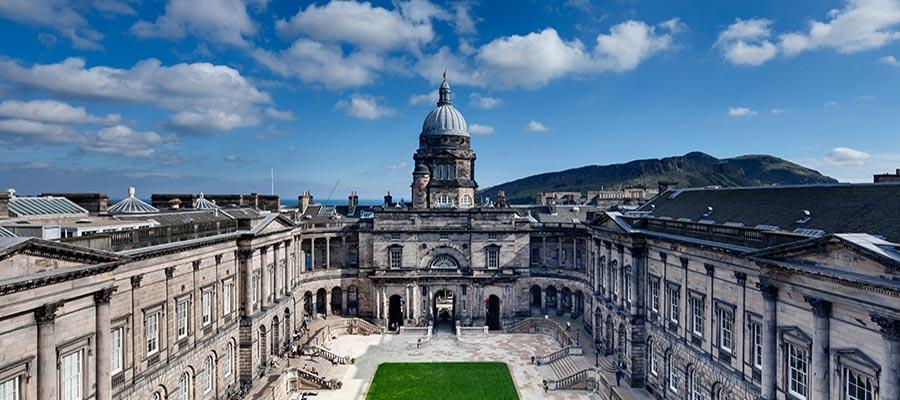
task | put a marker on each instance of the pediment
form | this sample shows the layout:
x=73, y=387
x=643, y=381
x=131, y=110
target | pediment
x=23, y=258
x=274, y=223
x=860, y=254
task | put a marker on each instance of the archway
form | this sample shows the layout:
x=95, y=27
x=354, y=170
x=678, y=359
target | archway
x=276, y=345
x=352, y=301
x=566, y=301
x=308, y=303
x=609, y=335
x=395, y=311
x=535, y=301
x=321, y=301
x=263, y=348
x=578, y=304
x=492, y=320
x=337, y=299
x=288, y=326
x=621, y=349
x=550, y=300
x=444, y=310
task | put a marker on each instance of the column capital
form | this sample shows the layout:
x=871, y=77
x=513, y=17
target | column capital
x=710, y=269
x=196, y=264
x=244, y=254
x=890, y=327
x=170, y=271
x=136, y=281
x=639, y=252
x=103, y=296
x=684, y=262
x=820, y=308
x=741, y=277
x=47, y=312
x=769, y=291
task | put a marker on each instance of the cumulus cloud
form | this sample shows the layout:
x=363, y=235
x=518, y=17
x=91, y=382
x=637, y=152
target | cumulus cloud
x=632, y=42
x=280, y=115
x=889, y=60
x=741, y=112
x=426, y=98
x=535, y=126
x=320, y=63
x=778, y=110
x=746, y=42
x=479, y=129
x=364, y=106
x=842, y=156
x=218, y=21
x=484, y=102
x=122, y=140
x=860, y=25
x=831, y=104
x=195, y=90
x=118, y=140
x=56, y=15
x=53, y=111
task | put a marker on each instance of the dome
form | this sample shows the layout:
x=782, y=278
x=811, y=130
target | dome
x=445, y=119
x=421, y=169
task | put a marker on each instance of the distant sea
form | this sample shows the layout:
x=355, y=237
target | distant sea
x=292, y=203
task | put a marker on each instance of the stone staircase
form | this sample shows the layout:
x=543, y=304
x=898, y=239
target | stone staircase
x=565, y=367
x=608, y=364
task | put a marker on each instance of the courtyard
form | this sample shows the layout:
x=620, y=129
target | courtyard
x=438, y=380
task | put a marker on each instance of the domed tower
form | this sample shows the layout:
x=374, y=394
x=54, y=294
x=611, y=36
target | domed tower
x=445, y=163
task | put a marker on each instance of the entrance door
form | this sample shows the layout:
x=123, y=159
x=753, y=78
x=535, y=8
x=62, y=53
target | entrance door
x=493, y=313
x=395, y=311
x=444, y=310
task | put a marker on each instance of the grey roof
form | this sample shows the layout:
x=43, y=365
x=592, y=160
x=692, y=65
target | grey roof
x=5, y=233
x=182, y=217
x=50, y=205
x=445, y=119
x=132, y=205
x=204, y=204
x=829, y=208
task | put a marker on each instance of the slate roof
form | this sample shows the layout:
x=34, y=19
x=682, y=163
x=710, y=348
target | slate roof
x=5, y=233
x=51, y=205
x=562, y=214
x=182, y=217
x=833, y=208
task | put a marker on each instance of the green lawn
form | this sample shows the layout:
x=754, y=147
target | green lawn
x=454, y=380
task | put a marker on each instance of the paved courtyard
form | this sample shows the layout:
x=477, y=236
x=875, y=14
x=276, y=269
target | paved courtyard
x=515, y=350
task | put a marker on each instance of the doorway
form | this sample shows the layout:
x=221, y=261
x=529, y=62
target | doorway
x=444, y=311
x=395, y=311
x=492, y=320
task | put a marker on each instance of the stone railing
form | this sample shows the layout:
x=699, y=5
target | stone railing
x=556, y=355
x=349, y=326
x=415, y=330
x=471, y=330
x=544, y=326
x=311, y=378
x=329, y=355
x=586, y=379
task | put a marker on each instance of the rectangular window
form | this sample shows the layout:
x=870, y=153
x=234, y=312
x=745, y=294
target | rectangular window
x=396, y=256
x=493, y=258
x=654, y=295
x=857, y=386
x=181, y=316
x=9, y=389
x=756, y=344
x=227, y=291
x=627, y=285
x=674, y=303
x=226, y=361
x=798, y=370
x=445, y=236
x=535, y=256
x=116, y=362
x=207, y=307
x=254, y=294
x=726, y=330
x=152, y=325
x=70, y=371
x=652, y=356
x=351, y=257
x=493, y=236
x=395, y=237
x=698, y=311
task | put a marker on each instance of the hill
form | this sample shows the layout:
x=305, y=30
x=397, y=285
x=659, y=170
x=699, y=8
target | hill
x=690, y=170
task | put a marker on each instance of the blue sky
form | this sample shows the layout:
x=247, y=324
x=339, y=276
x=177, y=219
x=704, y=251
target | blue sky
x=207, y=95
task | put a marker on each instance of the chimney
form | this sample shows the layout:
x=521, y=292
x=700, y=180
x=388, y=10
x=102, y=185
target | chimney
x=388, y=199
x=352, y=202
x=303, y=201
x=4, y=203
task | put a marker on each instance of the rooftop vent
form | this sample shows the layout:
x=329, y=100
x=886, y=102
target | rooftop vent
x=764, y=227
x=805, y=216
x=709, y=211
x=809, y=232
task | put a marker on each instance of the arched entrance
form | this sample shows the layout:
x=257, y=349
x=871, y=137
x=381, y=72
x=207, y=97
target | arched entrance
x=609, y=335
x=337, y=298
x=308, y=303
x=535, y=302
x=443, y=308
x=566, y=301
x=276, y=345
x=395, y=311
x=263, y=349
x=551, y=299
x=321, y=301
x=621, y=349
x=492, y=320
x=578, y=304
x=352, y=301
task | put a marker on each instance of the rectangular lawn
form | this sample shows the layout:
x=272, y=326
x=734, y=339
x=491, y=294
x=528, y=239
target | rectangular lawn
x=451, y=380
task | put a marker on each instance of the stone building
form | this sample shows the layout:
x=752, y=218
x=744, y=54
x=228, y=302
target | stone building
x=787, y=293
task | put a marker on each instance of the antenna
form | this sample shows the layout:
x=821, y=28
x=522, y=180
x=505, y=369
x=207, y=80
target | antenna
x=272, y=171
x=332, y=189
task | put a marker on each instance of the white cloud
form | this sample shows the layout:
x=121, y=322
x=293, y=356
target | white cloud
x=426, y=98
x=209, y=121
x=364, y=106
x=398, y=166
x=363, y=25
x=118, y=140
x=484, y=102
x=463, y=22
x=777, y=111
x=831, y=104
x=234, y=158
x=218, y=21
x=479, y=129
x=281, y=115
x=632, y=42
x=741, y=112
x=861, y=25
x=113, y=7
x=122, y=140
x=320, y=63
x=535, y=126
x=53, y=111
x=846, y=156
x=889, y=60
x=198, y=89
x=746, y=42
x=865, y=98
x=56, y=15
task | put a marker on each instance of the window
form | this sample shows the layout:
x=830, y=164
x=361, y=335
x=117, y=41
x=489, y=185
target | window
x=351, y=257
x=726, y=330
x=652, y=357
x=206, y=298
x=756, y=344
x=396, y=255
x=227, y=291
x=535, y=256
x=181, y=314
x=444, y=200
x=445, y=236
x=696, y=393
x=183, y=389
x=9, y=389
x=673, y=375
x=226, y=359
x=698, y=311
x=207, y=374
x=115, y=365
x=627, y=284
x=395, y=237
x=493, y=236
x=467, y=200
x=654, y=295
x=253, y=288
x=70, y=372
x=152, y=325
x=493, y=258
x=798, y=370
x=857, y=386
x=674, y=302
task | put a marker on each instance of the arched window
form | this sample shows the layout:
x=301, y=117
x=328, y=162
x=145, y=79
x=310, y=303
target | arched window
x=157, y=396
x=673, y=374
x=652, y=357
x=444, y=261
x=227, y=358
x=696, y=393
x=184, y=390
x=208, y=374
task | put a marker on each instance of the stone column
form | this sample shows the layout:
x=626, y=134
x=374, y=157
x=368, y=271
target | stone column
x=312, y=254
x=770, y=324
x=889, y=378
x=327, y=302
x=543, y=252
x=821, y=343
x=45, y=317
x=263, y=277
x=343, y=252
x=377, y=301
x=290, y=259
x=245, y=268
x=104, y=346
x=327, y=252
x=276, y=292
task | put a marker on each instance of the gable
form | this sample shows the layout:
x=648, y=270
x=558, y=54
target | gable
x=850, y=254
x=24, y=258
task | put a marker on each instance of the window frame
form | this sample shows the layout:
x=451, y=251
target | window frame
x=395, y=257
x=77, y=385
x=208, y=376
x=15, y=386
x=206, y=306
x=790, y=348
x=182, y=317
x=154, y=338
x=227, y=296
x=672, y=373
x=697, y=299
x=653, y=292
x=120, y=359
x=723, y=309
x=492, y=257
x=674, y=299
x=227, y=359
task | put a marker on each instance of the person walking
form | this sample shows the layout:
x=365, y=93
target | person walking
x=568, y=326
